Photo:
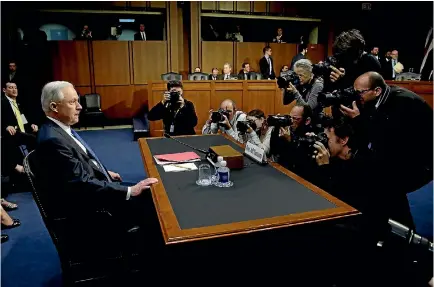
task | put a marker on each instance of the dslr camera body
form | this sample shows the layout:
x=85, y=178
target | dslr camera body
x=305, y=143
x=174, y=97
x=324, y=69
x=243, y=126
x=287, y=77
x=217, y=117
x=344, y=97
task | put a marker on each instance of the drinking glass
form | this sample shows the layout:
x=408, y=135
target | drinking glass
x=205, y=175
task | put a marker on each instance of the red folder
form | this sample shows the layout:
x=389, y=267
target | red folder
x=182, y=156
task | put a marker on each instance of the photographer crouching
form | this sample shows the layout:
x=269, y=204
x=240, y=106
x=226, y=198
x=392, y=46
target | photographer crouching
x=256, y=130
x=302, y=86
x=288, y=140
x=178, y=114
x=226, y=120
x=349, y=172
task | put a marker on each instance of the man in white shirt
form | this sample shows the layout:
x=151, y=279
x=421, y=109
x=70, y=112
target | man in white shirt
x=230, y=119
x=66, y=168
x=141, y=35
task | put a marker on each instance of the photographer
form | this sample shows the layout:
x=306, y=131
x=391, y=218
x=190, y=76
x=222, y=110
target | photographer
x=285, y=140
x=396, y=125
x=308, y=89
x=225, y=119
x=178, y=114
x=257, y=130
x=347, y=63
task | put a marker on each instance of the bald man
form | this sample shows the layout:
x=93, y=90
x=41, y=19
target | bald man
x=229, y=124
x=397, y=126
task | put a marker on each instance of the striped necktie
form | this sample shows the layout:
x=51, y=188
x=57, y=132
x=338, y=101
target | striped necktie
x=18, y=115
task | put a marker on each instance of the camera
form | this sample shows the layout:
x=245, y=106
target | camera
x=305, y=144
x=243, y=126
x=339, y=97
x=279, y=121
x=287, y=77
x=174, y=97
x=217, y=117
x=323, y=69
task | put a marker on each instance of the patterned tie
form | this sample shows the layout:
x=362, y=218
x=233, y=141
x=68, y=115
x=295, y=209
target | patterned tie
x=18, y=116
x=91, y=153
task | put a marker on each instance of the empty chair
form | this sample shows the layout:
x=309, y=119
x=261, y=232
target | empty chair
x=198, y=77
x=171, y=77
x=91, y=113
x=255, y=76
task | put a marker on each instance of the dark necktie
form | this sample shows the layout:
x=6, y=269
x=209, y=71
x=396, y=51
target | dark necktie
x=91, y=153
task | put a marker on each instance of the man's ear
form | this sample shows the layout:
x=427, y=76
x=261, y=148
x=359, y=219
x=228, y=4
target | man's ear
x=343, y=141
x=53, y=107
x=378, y=91
x=4, y=90
x=308, y=120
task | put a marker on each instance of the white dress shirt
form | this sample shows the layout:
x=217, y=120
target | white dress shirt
x=143, y=35
x=67, y=129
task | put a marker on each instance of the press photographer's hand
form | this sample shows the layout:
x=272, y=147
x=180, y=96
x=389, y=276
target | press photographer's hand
x=336, y=74
x=322, y=155
x=166, y=98
x=351, y=113
x=291, y=88
x=226, y=122
x=209, y=121
x=284, y=133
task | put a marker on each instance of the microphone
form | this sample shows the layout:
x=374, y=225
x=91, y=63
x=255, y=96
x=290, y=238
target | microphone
x=409, y=235
x=166, y=135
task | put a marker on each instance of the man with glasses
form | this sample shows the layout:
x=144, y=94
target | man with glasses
x=230, y=117
x=397, y=126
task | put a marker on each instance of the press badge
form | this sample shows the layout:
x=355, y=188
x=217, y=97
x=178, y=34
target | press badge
x=172, y=128
x=23, y=118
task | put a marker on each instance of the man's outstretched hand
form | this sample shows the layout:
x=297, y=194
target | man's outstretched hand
x=142, y=185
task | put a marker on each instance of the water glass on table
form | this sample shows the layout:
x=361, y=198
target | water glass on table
x=205, y=175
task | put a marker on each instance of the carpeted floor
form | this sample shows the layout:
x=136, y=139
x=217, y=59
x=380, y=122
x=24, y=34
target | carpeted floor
x=30, y=259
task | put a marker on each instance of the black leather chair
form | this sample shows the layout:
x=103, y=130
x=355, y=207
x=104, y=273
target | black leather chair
x=91, y=114
x=255, y=76
x=91, y=246
x=171, y=77
x=198, y=77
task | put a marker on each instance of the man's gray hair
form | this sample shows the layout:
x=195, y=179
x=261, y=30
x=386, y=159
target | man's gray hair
x=52, y=92
x=230, y=66
x=304, y=64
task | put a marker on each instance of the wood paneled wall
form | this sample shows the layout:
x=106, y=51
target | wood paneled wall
x=215, y=54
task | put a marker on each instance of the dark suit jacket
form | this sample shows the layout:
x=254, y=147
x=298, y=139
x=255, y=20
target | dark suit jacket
x=67, y=178
x=297, y=57
x=232, y=76
x=210, y=77
x=387, y=69
x=241, y=76
x=138, y=36
x=265, y=68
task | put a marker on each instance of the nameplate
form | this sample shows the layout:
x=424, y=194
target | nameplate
x=255, y=152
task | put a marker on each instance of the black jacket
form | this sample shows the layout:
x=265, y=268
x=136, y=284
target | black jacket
x=366, y=63
x=400, y=134
x=8, y=116
x=183, y=121
x=297, y=57
x=66, y=177
x=265, y=68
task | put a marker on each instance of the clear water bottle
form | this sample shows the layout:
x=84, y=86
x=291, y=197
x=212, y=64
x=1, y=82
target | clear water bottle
x=215, y=177
x=223, y=175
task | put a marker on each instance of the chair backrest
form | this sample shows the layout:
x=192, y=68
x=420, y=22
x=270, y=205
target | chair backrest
x=255, y=76
x=198, y=77
x=171, y=76
x=92, y=102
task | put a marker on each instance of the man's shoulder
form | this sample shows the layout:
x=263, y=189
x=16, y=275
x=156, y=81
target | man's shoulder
x=404, y=96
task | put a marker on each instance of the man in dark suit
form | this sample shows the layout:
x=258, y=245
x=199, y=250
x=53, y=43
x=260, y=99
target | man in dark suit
x=214, y=75
x=227, y=73
x=141, y=35
x=302, y=50
x=67, y=170
x=16, y=130
x=266, y=64
x=244, y=73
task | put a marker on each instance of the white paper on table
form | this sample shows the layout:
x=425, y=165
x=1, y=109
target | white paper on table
x=180, y=167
